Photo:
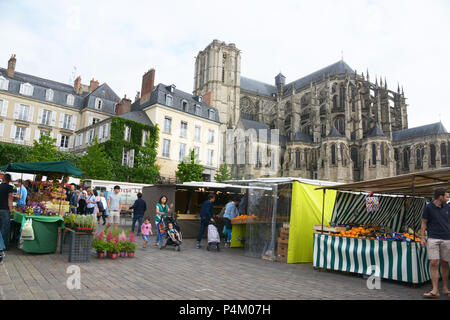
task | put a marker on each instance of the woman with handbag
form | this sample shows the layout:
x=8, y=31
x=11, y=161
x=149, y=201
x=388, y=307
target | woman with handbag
x=101, y=205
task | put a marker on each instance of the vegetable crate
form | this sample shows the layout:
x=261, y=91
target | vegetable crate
x=77, y=245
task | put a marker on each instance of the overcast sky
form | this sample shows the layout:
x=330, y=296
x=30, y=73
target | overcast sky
x=404, y=41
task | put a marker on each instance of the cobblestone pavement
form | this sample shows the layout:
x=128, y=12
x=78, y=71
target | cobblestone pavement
x=189, y=274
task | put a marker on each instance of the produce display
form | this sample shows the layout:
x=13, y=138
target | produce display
x=244, y=218
x=374, y=234
x=80, y=222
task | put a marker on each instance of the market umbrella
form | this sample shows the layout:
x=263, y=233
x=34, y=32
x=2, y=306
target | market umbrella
x=45, y=168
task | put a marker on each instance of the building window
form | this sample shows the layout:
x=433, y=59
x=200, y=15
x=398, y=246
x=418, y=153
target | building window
x=197, y=133
x=374, y=154
x=443, y=154
x=64, y=142
x=127, y=133
x=333, y=154
x=46, y=117
x=144, y=137
x=169, y=100
x=26, y=89
x=211, y=115
x=210, y=136
x=419, y=158
x=297, y=159
x=210, y=157
x=406, y=159
x=98, y=103
x=67, y=122
x=166, y=148
x=197, y=152
x=20, y=133
x=70, y=100
x=90, y=135
x=49, y=95
x=183, y=129
x=182, y=152
x=433, y=155
x=94, y=121
x=167, y=125
x=354, y=156
x=23, y=112
x=184, y=105
x=383, y=161
x=340, y=125
x=3, y=84
x=125, y=157
x=198, y=110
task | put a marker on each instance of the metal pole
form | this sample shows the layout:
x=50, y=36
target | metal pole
x=323, y=206
x=413, y=197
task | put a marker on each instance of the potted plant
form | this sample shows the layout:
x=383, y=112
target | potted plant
x=109, y=239
x=113, y=248
x=122, y=244
x=100, y=245
x=131, y=248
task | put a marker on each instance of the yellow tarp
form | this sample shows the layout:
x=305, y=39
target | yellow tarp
x=306, y=211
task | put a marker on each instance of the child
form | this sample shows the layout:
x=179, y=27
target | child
x=173, y=233
x=146, y=230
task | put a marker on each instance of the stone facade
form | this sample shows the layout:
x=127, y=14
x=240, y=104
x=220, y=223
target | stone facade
x=334, y=124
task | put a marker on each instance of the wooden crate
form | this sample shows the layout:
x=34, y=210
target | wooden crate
x=282, y=258
x=283, y=240
x=282, y=249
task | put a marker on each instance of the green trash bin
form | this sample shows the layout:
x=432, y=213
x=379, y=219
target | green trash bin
x=45, y=230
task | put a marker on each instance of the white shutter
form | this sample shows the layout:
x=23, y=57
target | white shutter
x=106, y=130
x=87, y=136
x=37, y=134
x=16, y=111
x=27, y=134
x=123, y=153
x=70, y=142
x=4, y=108
x=81, y=139
x=51, y=134
x=77, y=140
x=61, y=120
x=53, y=118
x=58, y=140
x=100, y=135
x=31, y=114
x=13, y=132
x=90, y=121
x=74, y=123
x=131, y=160
x=2, y=128
x=40, y=113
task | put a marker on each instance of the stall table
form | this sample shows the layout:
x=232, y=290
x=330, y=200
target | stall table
x=394, y=260
x=45, y=232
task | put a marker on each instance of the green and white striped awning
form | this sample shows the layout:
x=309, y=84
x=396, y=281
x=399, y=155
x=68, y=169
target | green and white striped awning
x=350, y=208
x=392, y=260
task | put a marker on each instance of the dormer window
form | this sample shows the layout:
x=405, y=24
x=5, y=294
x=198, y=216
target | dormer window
x=3, y=83
x=70, y=100
x=49, y=95
x=211, y=114
x=184, y=105
x=26, y=89
x=98, y=103
x=172, y=88
x=199, y=98
x=198, y=110
x=169, y=100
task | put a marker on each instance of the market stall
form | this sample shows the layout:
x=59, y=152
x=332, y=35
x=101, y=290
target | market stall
x=377, y=233
x=47, y=204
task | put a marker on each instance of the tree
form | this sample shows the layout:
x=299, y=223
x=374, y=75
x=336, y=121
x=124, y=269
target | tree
x=146, y=171
x=43, y=150
x=96, y=164
x=189, y=169
x=223, y=174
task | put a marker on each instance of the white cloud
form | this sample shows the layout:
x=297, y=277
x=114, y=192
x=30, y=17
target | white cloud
x=116, y=41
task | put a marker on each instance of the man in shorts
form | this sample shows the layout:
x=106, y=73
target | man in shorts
x=436, y=219
x=114, y=207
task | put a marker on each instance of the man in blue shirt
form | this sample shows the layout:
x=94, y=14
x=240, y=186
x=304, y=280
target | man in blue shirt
x=21, y=195
x=436, y=219
x=231, y=212
x=139, y=208
x=206, y=216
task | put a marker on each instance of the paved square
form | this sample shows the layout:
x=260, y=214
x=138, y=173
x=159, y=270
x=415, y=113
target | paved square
x=189, y=274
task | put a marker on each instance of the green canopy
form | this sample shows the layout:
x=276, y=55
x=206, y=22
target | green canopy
x=45, y=168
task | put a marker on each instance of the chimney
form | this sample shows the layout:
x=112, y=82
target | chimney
x=138, y=96
x=93, y=85
x=77, y=84
x=123, y=106
x=148, y=83
x=11, y=66
x=208, y=97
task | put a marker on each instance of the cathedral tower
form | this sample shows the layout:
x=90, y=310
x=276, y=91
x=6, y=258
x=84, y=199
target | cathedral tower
x=218, y=74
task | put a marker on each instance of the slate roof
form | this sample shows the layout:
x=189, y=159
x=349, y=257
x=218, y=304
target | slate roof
x=417, y=132
x=300, y=136
x=334, y=133
x=138, y=116
x=158, y=96
x=251, y=85
x=376, y=132
x=61, y=91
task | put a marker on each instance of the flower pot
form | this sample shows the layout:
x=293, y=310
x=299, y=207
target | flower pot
x=113, y=255
x=123, y=254
x=108, y=254
x=130, y=254
x=100, y=255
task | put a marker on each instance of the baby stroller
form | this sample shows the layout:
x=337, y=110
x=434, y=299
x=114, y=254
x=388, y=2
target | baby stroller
x=165, y=233
x=213, y=238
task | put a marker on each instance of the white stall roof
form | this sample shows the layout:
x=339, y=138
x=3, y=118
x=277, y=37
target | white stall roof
x=217, y=185
x=321, y=183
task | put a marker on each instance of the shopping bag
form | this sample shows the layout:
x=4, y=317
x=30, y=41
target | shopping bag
x=27, y=230
x=213, y=234
x=372, y=203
